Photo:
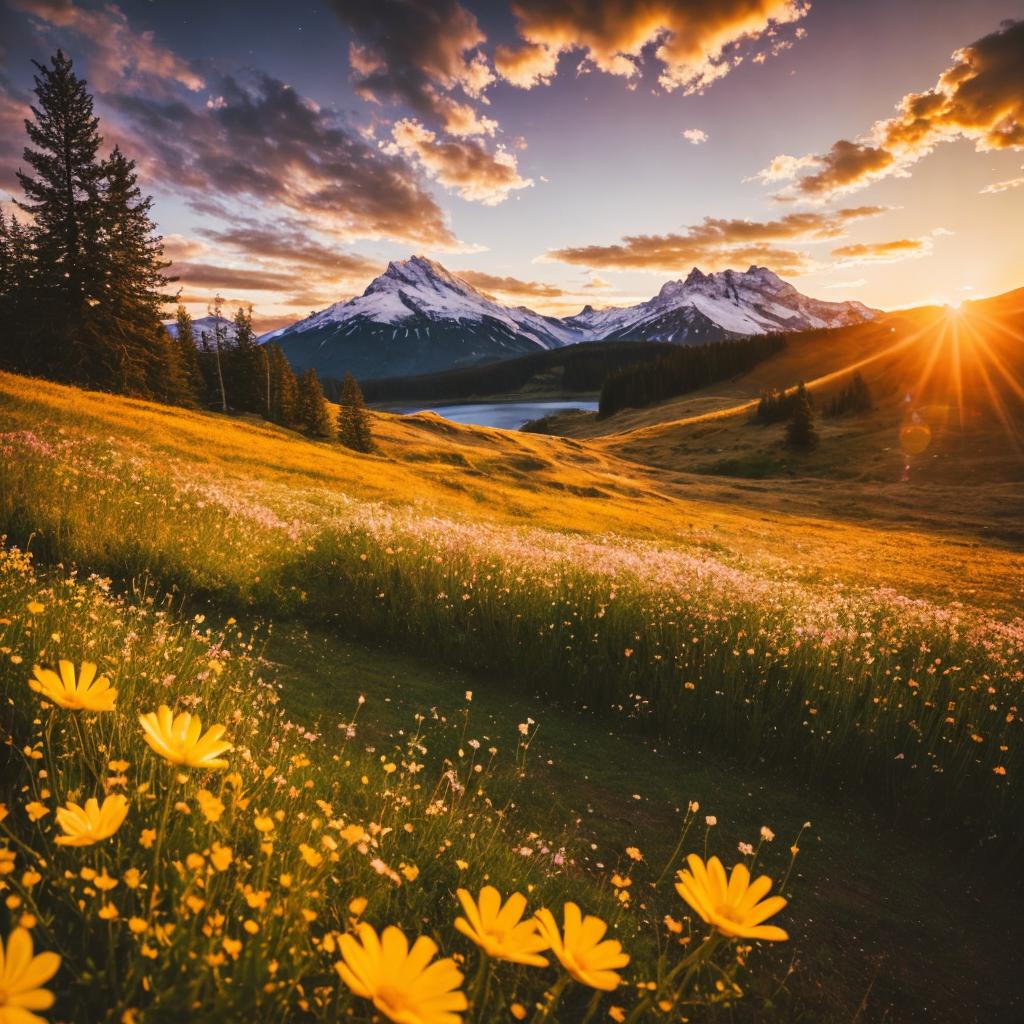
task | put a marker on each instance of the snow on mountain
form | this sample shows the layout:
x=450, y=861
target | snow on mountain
x=417, y=317
x=204, y=331
x=418, y=288
x=726, y=304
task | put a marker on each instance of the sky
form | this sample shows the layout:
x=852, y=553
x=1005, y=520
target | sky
x=554, y=153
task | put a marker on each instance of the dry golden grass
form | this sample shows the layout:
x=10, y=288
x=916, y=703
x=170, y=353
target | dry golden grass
x=502, y=477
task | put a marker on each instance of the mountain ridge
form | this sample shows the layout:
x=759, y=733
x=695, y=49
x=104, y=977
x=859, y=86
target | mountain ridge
x=419, y=317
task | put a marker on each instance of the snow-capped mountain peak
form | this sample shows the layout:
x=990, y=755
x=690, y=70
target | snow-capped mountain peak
x=418, y=317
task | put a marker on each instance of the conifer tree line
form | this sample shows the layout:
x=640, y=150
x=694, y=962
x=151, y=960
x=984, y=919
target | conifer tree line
x=683, y=369
x=82, y=285
x=853, y=397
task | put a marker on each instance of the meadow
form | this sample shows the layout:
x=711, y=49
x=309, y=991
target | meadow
x=837, y=687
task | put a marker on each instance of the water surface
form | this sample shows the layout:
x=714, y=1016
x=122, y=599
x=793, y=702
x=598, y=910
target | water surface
x=507, y=415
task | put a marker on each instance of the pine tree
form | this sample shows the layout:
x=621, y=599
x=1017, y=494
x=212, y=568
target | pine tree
x=186, y=343
x=16, y=275
x=313, y=415
x=284, y=389
x=135, y=346
x=353, y=419
x=800, y=431
x=62, y=197
x=246, y=368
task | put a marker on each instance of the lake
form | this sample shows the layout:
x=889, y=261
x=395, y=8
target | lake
x=507, y=415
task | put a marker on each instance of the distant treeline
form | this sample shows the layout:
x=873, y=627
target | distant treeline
x=584, y=367
x=680, y=369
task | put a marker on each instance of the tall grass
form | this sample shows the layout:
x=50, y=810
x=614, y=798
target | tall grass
x=223, y=895
x=917, y=703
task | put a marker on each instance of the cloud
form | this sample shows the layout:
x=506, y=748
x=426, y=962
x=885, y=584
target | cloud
x=527, y=65
x=217, y=278
x=121, y=53
x=284, y=243
x=717, y=243
x=268, y=145
x=884, y=252
x=415, y=52
x=694, y=43
x=695, y=136
x=979, y=97
x=1002, y=186
x=476, y=174
x=510, y=287
x=13, y=111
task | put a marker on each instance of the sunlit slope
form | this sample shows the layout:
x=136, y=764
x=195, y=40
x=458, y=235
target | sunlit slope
x=948, y=405
x=497, y=477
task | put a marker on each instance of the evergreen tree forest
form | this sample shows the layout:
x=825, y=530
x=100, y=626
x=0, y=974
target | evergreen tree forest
x=683, y=369
x=83, y=288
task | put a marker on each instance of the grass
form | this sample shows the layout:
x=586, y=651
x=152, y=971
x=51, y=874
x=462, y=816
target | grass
x=869, y=934
x=224, y=895
x=724, y=655
x=918, y=700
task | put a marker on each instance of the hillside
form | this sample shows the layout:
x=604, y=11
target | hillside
x=431, y=464
x=946, y=376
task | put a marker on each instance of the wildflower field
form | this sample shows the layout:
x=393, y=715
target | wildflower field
x=190, y=854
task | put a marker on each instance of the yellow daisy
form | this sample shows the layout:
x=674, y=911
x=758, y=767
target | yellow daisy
x=179, y=739
x=580, y=950
x=21, y=975
x=401, y=982
x=735, y=906
x=86, y=694
x=92, y=823
x=500, y=930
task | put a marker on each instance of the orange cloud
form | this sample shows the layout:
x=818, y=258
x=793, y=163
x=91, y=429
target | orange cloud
x=510, y=287
x=476, y=174
x=527, y=65
x=695, y=43
x=122, y=52
x=980, y=97
x=884, y=252
x=717, y=243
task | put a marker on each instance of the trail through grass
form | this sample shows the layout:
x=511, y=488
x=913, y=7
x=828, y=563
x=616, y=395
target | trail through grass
x=876, y=905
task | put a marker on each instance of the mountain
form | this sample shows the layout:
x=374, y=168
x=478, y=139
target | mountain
x=419, y=318
x=204, y=331
x=415, y=318
x=714, y=307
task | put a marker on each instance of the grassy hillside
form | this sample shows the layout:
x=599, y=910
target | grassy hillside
x=955, y=370
x=551, y=571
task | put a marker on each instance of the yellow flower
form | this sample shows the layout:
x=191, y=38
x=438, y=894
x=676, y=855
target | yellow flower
x=35, y=608
x=580, y=949
x=87, y=694
x=734, y=906
x=21, y=975
x=310, y=856
x=402, y=983
x=36, y=810
x=221, y=856
x=178, y=739
x=211, y=806
x=86, y=825
x=500, y=930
